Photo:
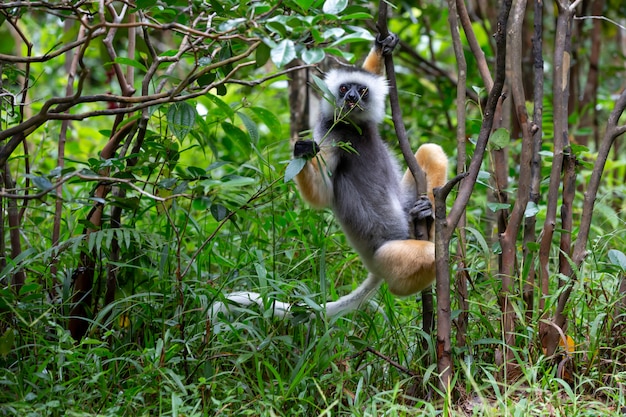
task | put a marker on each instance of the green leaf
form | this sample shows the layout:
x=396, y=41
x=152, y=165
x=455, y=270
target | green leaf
x=618, y=259
x=355, y=16
x=334, y=6
x=293, y=168
x=352, y=38
x=219, y=212
x=268, y=118
x=531, y=209
x=230, y=113
x=145, y=4
x=236, y=181
x=498, y=206
x=130, y=62
x=221, y=90
x=6, y=342
x=251, y=127
x=480, y=240
x=499, y=139
x=324, y=89
x=206, y=79
x=262, y=55
x=277, y=27
x=237, y=137
x=313, y=55
x=40, y=182
x=305, y=4
x=181, y=117
x=333, y=33
x=196, y=172
x=284, y=53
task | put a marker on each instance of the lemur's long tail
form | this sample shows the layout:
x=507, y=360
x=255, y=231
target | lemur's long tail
x=281, y=309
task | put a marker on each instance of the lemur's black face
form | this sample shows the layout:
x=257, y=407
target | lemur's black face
x=352, y=94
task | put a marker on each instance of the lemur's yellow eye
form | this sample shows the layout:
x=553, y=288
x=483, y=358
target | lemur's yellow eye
x=343, y=89
x=362, y=91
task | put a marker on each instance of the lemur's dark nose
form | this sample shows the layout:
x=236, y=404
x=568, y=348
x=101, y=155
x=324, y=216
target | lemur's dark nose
x=352, y=96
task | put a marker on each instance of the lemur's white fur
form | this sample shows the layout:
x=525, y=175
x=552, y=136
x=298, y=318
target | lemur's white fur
x=378, y=88
x=348, y=302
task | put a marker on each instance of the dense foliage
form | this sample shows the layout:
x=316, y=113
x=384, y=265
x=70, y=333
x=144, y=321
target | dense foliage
x=143, y=152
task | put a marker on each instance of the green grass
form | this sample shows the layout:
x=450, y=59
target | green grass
x=152, y=352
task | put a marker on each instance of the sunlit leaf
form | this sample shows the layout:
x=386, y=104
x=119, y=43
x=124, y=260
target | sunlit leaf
x=313, y=55
x=334, y=6
x=284, y=53
x=228, y=111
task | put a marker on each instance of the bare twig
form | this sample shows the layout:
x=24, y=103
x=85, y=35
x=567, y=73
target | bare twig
x=477, y=52
x=613, y=22
x=396, y=111
x=467, y=185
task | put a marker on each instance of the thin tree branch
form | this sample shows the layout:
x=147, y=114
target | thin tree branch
x=467, y=185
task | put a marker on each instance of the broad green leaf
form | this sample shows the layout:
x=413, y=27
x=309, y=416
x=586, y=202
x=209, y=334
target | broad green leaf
x=333, y=33
x=293, y=168
x=617, y=258
x=531, y=209
x=181, y=117
x=334, y=6
x=313, y=56
x=201, y=203
x=40, y=182
x=237, y=137
x=357, y=36
x=219, y=212
x=230, y=113
x=499, y=139
x=196, y=172
x=207, y=78
x=262, y=55
x=268, y=118
x=221, y=90
x=284, y=53
x=277, y=27
x=234, y=181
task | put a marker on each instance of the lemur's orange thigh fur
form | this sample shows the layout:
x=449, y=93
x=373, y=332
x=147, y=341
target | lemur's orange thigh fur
x=434, y=162
x=408, y=265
